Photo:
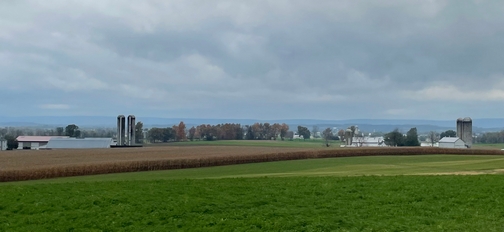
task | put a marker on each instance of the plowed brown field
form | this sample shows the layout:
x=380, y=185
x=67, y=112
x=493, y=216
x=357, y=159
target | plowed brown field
x=28, y=159
x=29, y=165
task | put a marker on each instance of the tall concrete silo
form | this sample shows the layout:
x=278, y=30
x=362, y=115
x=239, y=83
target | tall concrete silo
x=131, y=130
x=467, y=131
x=121, y=124
x=348, y=137
x=460, y=127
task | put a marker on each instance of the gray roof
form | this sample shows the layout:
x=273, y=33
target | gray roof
x=448, y=140
x=71, y=143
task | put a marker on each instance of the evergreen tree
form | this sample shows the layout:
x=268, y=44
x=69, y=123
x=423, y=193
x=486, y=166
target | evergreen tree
x=412, y=138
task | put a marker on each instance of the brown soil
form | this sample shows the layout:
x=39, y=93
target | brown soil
x=30, y=159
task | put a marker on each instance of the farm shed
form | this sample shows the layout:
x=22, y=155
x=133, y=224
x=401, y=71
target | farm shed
x=34, y=142
x=451, y=142
x=3, y=144
x=75, y=143
x=368, y=142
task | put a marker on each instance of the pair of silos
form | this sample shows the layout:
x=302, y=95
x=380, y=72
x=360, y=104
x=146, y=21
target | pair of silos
x=464, y=130
x=348, y=137
x=125, y=137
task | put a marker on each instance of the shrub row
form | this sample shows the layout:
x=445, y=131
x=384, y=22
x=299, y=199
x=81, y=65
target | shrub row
x=166, y=164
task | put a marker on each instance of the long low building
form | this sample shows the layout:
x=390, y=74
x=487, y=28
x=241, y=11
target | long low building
x=78, y=143
x=368, y=142
x=34, y=142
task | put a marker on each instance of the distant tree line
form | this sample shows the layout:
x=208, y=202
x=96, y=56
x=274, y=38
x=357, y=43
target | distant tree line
x=490, y=137
x=227, y=131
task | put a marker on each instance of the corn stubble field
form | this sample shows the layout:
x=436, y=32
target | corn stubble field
x=32, y=165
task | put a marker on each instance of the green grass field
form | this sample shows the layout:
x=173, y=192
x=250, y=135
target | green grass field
x=489, y=146
x=389, y=193
x=311, y=143
x=400, y=203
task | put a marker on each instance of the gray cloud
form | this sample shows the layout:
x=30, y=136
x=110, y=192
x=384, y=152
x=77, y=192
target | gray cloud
x=253, y=59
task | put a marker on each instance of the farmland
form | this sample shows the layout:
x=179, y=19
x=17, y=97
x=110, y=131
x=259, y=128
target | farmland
x=399, y=203
x=28, y=165
x=382, y=190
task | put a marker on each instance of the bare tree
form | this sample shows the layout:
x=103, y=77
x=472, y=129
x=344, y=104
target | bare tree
x=327, y=135
x=360, y=141
x=433, y=137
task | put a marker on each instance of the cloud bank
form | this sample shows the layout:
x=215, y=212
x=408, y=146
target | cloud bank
x=253, y=59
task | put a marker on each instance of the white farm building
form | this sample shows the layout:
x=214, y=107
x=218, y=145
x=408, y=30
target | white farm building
x=61, y=142
x=368, y=142
x=452, y=142
x=75, y=143
x=34, y=142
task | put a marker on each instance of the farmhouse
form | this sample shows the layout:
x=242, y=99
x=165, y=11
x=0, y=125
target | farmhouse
x=34, y=142
x=78, y=143
x=452, y=142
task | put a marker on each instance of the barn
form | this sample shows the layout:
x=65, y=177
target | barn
x=368, y=142
x=34, y=142
x=78, y=143
x=452, y=142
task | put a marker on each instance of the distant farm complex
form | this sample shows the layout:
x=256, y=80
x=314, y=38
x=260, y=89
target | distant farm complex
x=125, y=138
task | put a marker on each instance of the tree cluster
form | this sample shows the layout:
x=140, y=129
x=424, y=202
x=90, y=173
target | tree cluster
x=303, y=131
x=448, y=133
x=397, y=139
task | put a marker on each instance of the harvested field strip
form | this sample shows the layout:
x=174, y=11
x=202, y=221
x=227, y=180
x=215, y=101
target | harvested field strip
x=27, y=173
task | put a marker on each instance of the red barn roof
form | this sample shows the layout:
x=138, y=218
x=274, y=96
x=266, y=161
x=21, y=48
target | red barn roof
x=37, y=138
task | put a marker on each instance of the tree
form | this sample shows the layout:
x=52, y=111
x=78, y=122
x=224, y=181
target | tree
x=192, y=133
x=250, y=133
x=72, y=130
x=60, y=131
x=341, y=134
x=139, y=136
x=327, y=135
x=394, y=138
x=12, y=143
x=412, y=138
x=448, y=133
x=304, y=132
x=168, y=134
x=433, y=137
x=283, y=130
x=180, y=130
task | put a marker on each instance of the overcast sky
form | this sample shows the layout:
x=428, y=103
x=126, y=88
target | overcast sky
x=274, y=59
